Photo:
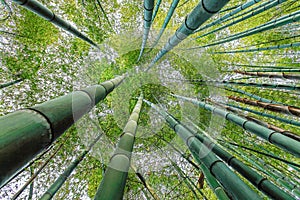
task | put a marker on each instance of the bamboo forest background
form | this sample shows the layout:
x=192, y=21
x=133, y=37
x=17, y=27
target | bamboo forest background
x=242, y=60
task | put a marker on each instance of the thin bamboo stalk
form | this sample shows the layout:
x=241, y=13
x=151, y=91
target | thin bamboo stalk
x=275, y=47
x=285, y=120
x=235, y=11
x=27, y=132
x=4, y=85
x=290, y=110
x=145, y=183
x=294, y=17
x=256, y=12
x=33, y=176
x=64, y=176
x=166, y=21
x=48, y=15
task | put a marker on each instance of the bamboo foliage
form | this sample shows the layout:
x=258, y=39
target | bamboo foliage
x=276, y=138
x=231, y=13
x=290, y=110
x=148, y=11
x=113, y=183
x=48, y=15
x=37, y=127
x=201, y=13
x=63, y=177
x=202, y=154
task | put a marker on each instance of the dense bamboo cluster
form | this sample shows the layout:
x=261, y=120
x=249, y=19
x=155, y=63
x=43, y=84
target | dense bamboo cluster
x=231, y=168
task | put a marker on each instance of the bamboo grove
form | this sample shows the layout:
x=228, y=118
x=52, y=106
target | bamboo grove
x=153, y=99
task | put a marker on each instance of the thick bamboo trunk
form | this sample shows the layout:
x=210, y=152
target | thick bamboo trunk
x=48, y=15
x=113, y=183
x=27, y=132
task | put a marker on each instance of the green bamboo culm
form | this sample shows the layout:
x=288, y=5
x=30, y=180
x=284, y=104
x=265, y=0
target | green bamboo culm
x=280, y=46
x=270, y=75
x=172, y=8
x=276, y=138
x=63, y=177
x=274, y=70
x=260, y=182
x=238, y=190
x=148, y=11
x=37, y=127
x=235, y=11
x=262, y=66
x=113, y=183
x=291, y=18
x=47, y=14
x=157, y=5
x=285, y=120
x=201, y=13
x=254, y=96
x=256, y=12
x=258, y=121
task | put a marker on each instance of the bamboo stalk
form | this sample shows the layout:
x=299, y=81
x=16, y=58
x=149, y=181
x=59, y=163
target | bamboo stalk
x=27, y=132
x=48, y=15
x=285, y=120
x=239, y=190
x=64, y=176
x=276, y=138
x=4, y=85
x=148, y=10
x=232, y=13
x=113, y=183
x=201, y=13
x=290, y=110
